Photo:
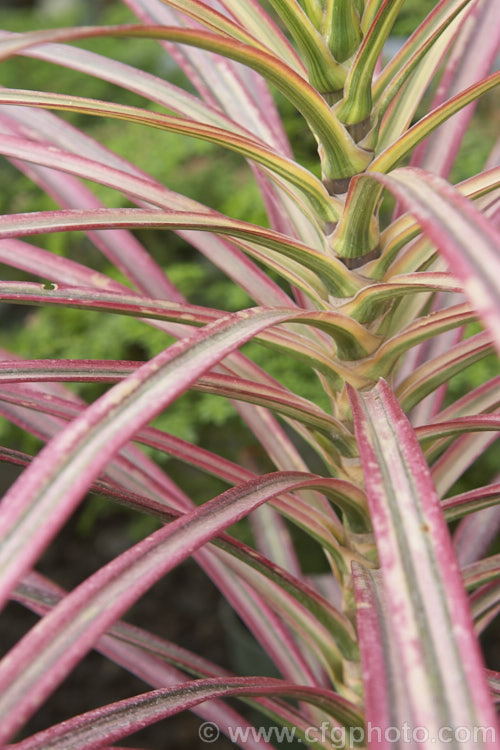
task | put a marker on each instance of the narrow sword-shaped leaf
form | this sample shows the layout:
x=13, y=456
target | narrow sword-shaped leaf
x=152, y=87
x=481, y=572
x=215, y=21
x=432, y=374
x=478, y=47
x=456, y=426
x=467, y=241
x=494, y=683
x=474, y=535
x=365, y=304
x=471, y=502
x=108, y=723
x=422, y=329
x=251, y=15
x=321, y=615
x=151, y=658
x=56, y=478
x=353, y=341
x=151, y=665
x=405, y=228
x=69, y=193
x=276, y=399
x=417, y=42
x=333, y=272
x=445, y=678
x=468, y=448
x=318, y=525
x=342, y=156
x=397, y=112
x=346, y=494
x=485, y=605
x=70, y=630
x=269, y=631
x=246, y=146
x=384, y=683
x=119, y=246
x=242, y=94
x=393, y=154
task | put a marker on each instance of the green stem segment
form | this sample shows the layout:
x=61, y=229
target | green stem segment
x=341, y=28
x=325, y=73
x=357, y=232
x=356, y=105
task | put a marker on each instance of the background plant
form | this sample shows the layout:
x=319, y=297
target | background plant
x=328, y=278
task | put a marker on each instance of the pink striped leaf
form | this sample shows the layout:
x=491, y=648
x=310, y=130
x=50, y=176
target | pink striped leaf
x=398, y=111
x=278, y=400
x=215, y=21
x=425, y=596
x=319, y=526
x=262, y=622
x=475, y=534
x=485, y=605
x=320, y=620
x=494, y=683
x=370, y=300
x=458, y=457
x=352, y=339
x=120, y=645
x=347, y=494
x=332, y=272
x=452, y=427
x=154, y=660
x=55, y=482
x=342, y=156
x=406, y=227
x=423, y=329
x=251, y=15
x=398, y=68
x=467, y=241
x=480, y=572
x=321, y=612
x=473, y=58
x=116, y=244
x=484, y=398
x=243, y=95
x=384, y=683
x=52, y=648
x=121, y=719
x=244, y=145
x=150, y=86
x=393, y=154
x=39, y=262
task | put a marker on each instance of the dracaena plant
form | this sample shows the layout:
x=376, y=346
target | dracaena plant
x=375, y=303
